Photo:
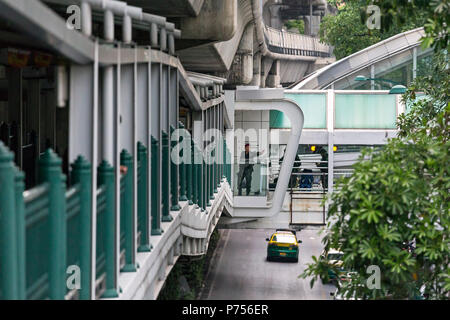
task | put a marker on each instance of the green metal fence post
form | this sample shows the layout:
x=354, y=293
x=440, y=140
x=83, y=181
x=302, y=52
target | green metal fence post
x=221, y=161
x=82, y=175
x=8, y=262
x=183, y=168
x=156, y=191
x=230, y=163
x=21, y=234
x=199, y=180
x=127, y=205
x=206, y=180
x=194, y=183
x=196, y=179
x=217, y=169
x=143, y=212
x=166, y=217
x=50, y=172
x=190, y=175
x=206, y=184
x=214, y=175
x=106, y=178
x=173, y=174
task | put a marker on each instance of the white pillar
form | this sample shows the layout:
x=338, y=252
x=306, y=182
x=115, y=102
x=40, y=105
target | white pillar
x=330, y=125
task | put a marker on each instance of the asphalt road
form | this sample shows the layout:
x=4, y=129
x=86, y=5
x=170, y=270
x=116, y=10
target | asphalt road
x=239, y=270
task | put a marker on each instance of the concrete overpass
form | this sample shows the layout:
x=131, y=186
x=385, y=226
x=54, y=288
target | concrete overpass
x=232, y=40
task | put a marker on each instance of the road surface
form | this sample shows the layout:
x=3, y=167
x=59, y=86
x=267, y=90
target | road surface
x=239, y=270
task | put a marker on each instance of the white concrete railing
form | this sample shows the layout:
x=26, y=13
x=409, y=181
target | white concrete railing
x=284, y=42
x=197, y=226
x=187, y=234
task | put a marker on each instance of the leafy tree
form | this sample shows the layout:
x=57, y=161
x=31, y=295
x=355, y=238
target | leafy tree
x=433, y=15
x=398, y=199
x=296, y=24
x=348, y=32
x=394, y=211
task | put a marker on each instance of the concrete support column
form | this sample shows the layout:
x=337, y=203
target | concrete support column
x=372, y=75
x=194, y=246
x=126, y=29
x=163, y=39
x=171, y=256
x=108, y=96
x=86, y=18
x=246, y=53
x=154, y=35
x=273, y=79
x=171, y=43
x=330, y=125
x=162, y=270
x=256, y=81
x=275, y=19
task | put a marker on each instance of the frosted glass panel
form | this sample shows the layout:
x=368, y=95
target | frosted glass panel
x=365, y=111
x=313, y=107
x=278, y=120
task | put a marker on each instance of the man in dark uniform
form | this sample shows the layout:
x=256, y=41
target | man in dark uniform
x=324, y=165
x=246, y=164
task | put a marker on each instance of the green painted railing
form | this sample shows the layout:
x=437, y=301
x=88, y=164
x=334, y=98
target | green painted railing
x=156, y=190
x=106, y=229
x=101, y=230
x=173, y=175
x=165, y=183
x=143, y=213
x=37, y=230
x=46, y=229
x=49, y=229
x=183, y=167
x=127, y=213
x=82, y=176
x=227, y=162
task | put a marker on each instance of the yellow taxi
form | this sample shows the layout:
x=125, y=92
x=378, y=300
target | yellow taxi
x=283, y=244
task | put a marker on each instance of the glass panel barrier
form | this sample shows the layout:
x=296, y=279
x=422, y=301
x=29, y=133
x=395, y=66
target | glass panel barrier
x=365, y=111
x=250, y=179
x=314, y=107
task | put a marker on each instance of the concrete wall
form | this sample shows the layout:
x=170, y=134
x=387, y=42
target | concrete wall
x=217, y=21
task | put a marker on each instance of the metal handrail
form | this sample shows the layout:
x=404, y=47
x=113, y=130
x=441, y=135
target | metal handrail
x=35, y=193
x=301, y=45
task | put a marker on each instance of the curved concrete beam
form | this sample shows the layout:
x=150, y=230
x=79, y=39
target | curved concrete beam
x=295, y=115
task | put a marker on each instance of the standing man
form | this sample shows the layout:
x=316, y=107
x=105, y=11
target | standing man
x=246, y=164
x=324, y=164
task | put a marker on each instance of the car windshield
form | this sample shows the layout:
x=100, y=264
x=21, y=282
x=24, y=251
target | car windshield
x=284, y=238
x=335, y=256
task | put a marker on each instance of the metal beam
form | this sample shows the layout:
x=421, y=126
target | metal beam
x=44, y=26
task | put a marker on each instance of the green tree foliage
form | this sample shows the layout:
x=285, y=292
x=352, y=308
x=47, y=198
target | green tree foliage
x=433, y=15
x=296, y=24
x=394, y=211
x=399, y=196
x=348, y=32
x=194, y=271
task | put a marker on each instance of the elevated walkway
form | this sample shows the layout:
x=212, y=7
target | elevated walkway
x=377, y=61
x=296, y=52
x=124, y=212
